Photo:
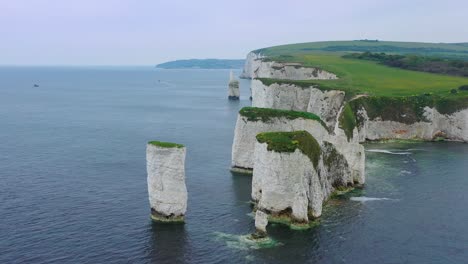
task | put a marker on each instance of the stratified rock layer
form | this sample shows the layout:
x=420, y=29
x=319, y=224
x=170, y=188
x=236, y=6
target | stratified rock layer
x=166, y=182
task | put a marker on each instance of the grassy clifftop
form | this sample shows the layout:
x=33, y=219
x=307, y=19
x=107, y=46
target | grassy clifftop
x=165, y=144
x=458, y=50
x=290, y=141
x=266, y=114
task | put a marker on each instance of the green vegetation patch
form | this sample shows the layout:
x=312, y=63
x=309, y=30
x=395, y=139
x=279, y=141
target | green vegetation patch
x=165, y=144
x=290, y=141
x=331, y=156
x=267, y=114
x=406, y=110
x=347, y=121
x=416, y=62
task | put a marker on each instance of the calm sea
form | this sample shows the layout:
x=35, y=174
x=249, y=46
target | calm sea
x=73, y=179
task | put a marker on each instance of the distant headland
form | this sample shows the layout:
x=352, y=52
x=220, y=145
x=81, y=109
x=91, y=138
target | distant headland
x=202, y=64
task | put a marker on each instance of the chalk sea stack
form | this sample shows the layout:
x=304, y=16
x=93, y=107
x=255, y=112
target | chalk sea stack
x=165, y=164
x=233, y=93
x=294, y=175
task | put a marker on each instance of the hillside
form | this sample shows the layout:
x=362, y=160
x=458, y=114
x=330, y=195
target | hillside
x=202, y=64
x=447, y=50
x=358, y=76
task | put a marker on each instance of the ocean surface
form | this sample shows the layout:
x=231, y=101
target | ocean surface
x=73, y=179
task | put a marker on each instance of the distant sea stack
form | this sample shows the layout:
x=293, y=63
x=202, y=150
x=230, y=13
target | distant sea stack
x=165, y=164
x=233, y=93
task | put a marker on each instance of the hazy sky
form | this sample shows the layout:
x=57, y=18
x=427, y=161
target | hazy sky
x=117, y=32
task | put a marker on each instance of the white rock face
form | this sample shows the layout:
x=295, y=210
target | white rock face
x=246, y=132
x=261, y=222
x=453, y=126
x=280, y=96
x=288, y=182
x=252, y=62
x=256, y=67
x=166, y=182
x=325, y=104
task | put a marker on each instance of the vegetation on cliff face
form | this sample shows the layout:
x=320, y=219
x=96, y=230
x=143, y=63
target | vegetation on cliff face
x=409, y=109
x=290, y=141
x=267, y=114
x=347, y=121
x=416, y=63
x=165, y=144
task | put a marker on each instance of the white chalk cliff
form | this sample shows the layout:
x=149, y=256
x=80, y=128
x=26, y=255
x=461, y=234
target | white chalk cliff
x=450, y=126
x=166, y=182
x=327, y=105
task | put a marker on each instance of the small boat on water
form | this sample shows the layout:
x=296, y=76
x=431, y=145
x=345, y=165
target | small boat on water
x=36, y=85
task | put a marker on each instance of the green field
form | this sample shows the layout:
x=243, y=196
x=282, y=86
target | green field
x=368, y=77
x=448, y=50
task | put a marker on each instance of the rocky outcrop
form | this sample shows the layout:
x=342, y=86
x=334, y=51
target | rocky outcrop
x=165, y=164
x=252, y=121
x=325, y=104
x=261, y=222
x=294, y=174
x=257, y=66
x=233, y=92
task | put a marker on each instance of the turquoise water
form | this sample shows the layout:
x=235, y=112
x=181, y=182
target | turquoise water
x=73, y=179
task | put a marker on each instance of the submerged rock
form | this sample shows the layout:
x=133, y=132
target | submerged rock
x=165, y=164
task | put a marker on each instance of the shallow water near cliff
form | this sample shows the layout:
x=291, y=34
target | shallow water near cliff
x=73, y=179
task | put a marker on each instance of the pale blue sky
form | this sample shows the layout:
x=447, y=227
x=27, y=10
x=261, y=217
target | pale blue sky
x=132, y=32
